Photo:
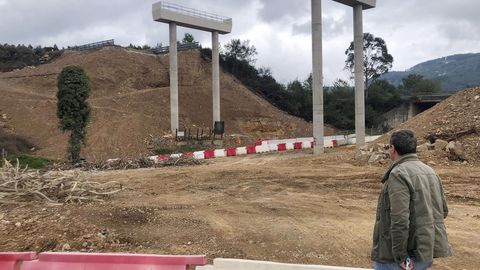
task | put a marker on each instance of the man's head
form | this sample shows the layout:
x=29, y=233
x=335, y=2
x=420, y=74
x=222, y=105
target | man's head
x=402, y=142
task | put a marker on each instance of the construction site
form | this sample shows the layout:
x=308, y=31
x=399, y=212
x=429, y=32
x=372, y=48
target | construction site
x=281, y=204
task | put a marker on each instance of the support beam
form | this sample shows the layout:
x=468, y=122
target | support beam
x=366, y=4
x=173, y=77
x=190, y=18
x=317, y=76
x=359, y=76
x=215, y=77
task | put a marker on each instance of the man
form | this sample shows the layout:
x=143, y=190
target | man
x=411, y=208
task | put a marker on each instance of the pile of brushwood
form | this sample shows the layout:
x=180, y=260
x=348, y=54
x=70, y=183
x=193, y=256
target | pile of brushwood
x=142, y=162
x=21, y=185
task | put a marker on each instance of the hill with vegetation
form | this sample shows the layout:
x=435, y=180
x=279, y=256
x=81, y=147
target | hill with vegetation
x=130, y=102
x=454, y=72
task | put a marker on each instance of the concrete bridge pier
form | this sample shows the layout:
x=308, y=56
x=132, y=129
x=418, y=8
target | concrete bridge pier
x=215, y=77
x=359, y=75
x=173, y=77
x=317, y=77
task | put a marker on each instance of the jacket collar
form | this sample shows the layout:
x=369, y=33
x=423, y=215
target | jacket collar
x=402, y=159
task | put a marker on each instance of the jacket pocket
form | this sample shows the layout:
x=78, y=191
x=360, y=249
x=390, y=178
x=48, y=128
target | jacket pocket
x=385, y=247
x=442, y=247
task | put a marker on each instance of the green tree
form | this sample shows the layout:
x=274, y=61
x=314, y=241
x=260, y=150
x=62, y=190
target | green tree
x=73, y=110
x=38, y=51
x=19, y=56
x=239, y=57
x=188, y=39
x=339, y=105
x=13, y=57
x=415, y=84
x=300, y=101
x=377, y=60
x=241, y=50
x=298, y=98
x=264, y=71
x=383, y=96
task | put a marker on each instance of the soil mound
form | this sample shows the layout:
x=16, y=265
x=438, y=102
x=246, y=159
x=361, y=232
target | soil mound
x=130, y=103
x=11, y=143
x=456, y=119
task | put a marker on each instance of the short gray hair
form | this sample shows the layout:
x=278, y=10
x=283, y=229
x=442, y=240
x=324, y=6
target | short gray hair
x=404, y=141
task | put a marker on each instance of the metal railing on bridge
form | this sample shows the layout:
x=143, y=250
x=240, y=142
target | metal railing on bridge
x=95, y=45
x=180, y=47
x=193, y=12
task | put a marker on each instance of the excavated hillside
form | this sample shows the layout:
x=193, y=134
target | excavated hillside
x=130, y=102
x=456, y=119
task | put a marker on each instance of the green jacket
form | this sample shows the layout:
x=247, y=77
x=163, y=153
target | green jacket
x=410, y=213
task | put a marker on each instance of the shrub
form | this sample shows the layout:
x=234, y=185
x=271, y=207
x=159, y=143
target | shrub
x=73, y=110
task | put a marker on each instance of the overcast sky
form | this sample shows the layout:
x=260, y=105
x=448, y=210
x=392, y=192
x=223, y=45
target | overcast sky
x=414, y=30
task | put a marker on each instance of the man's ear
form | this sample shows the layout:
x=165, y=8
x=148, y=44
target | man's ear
x=394, y=150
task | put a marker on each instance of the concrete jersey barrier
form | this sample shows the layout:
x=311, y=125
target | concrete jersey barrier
x=237, y=264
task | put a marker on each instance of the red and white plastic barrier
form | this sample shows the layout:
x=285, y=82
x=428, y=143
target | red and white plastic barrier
x=96, y=261
x=262, y=146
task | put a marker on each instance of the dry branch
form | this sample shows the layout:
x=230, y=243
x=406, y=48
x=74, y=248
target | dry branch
x=451, y=136
x=19, y=185
x=143, y=162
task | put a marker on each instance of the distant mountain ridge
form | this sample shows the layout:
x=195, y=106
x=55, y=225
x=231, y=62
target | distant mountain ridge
x=454, y=72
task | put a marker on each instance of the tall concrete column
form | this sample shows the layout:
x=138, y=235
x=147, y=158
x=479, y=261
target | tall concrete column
x=317, y=76
x=359, y=76
x=215, y=77
x=173, y=77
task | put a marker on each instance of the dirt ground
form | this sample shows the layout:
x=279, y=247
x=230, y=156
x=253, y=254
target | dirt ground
x=288, y=207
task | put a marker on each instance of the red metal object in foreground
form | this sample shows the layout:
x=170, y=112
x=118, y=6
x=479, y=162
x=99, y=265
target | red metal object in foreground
x=110, y=261
x=12, y=260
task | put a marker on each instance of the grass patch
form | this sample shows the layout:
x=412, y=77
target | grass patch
x=31, y=161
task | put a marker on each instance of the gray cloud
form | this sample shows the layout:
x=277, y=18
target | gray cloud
x=302, y=29
x=414, y=30
x=29, y=21
x=278, y=10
